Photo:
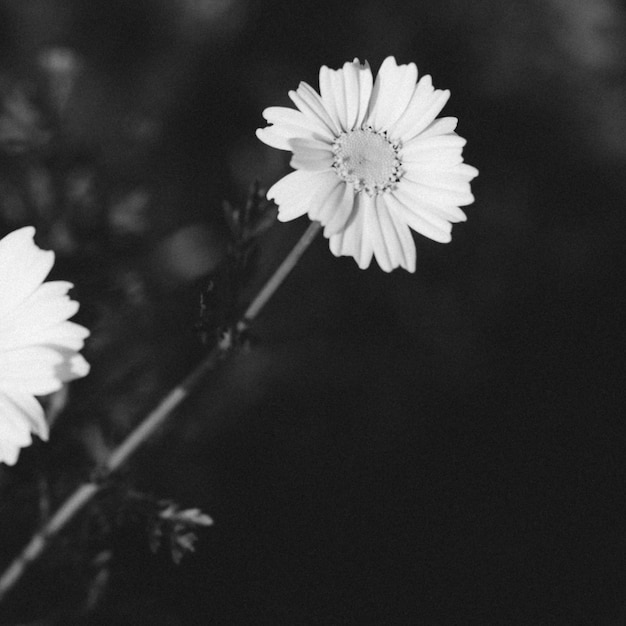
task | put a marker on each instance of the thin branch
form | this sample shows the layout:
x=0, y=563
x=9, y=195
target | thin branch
x=280, y=274
x=87, y=491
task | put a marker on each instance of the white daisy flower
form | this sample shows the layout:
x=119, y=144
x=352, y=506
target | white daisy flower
x=371, y=161
x=38, y=345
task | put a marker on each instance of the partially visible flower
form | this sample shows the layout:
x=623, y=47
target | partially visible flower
x=371, y=161
x=38, y=345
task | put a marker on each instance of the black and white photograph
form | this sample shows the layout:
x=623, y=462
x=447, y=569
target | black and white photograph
x=312, y=312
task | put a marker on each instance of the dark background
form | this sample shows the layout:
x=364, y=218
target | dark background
x=446, y=447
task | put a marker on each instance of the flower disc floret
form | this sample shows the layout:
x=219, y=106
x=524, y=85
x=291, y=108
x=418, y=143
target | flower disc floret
x=367, y=160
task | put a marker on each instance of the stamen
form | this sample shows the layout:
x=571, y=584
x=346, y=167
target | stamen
x=367, y=160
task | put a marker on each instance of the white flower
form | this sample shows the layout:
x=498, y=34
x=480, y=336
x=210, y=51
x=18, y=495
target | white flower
x=38, y=346
x=371, y=161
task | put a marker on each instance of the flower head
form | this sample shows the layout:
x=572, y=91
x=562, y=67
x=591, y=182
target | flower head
x=38, y=345
x=371, y=161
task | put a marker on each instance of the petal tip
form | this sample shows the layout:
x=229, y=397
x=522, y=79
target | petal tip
x=26, y=232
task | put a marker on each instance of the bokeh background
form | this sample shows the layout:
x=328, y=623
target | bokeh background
x=446, y=447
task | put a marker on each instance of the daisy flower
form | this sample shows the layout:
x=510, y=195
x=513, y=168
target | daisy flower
x=38, y=345
x=371, y=161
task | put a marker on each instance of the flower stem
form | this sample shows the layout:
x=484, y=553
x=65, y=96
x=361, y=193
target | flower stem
x=280, y=274
x=85, y=492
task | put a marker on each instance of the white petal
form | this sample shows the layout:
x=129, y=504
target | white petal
x=274, y=138
x=338, y=86
x=20, y=414
x=344, y=205
x=346, y=93
x=293, y=192
x=293, y=209
x=341, y=96
x=441, y=126
x=73, y=367
x=383, y=249
x=417, y=155
x=400, y=248
x=283, y=116
x=40, y=370
x=9, y=452
x=438, y=142
x=35, y=370
x=461, y=170
x=424, y=210
x=310, y=103
x=14, y=427
x=23, y=267
x=443, y=152
x=350, y=240
x=467, y=171
x=393, y=89
x=41, y=319
x=441, y=194
x=352, y=94
x=293, y=186
x=335, y=242
x=335, y=207
x=280, y=136
x=67, y=335
x=412, y=195
x=449, y=179
x=449, y=213
x=366, y=82
x=406, y=241
x=329, y=94
x=29, y=410
x=38, y=384
x=424, y=107
x=431, y=227
x=366, y=208
x=309, y=154
x=46, y=306
x=323, y=202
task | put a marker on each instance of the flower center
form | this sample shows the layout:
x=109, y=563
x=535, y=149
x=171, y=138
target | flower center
x=368, y=160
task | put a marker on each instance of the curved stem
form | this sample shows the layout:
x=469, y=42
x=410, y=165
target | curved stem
x=267, y=291
x=85, y=493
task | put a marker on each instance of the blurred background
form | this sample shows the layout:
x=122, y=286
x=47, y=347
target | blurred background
x=446, y=447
